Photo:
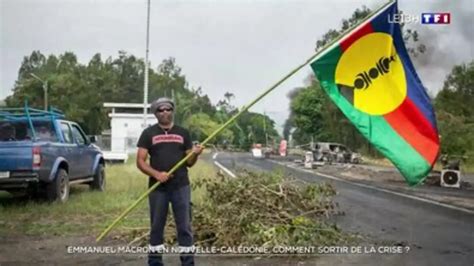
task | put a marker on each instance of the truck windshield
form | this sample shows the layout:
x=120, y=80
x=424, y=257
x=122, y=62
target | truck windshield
x=20, y=130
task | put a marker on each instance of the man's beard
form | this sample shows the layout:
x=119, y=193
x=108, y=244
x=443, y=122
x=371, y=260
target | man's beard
x=166, y=120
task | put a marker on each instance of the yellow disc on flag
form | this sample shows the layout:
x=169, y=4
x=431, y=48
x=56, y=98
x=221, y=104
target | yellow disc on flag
x=372, y=70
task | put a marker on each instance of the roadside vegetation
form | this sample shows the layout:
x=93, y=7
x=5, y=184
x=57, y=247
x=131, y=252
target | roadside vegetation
x=255, y=208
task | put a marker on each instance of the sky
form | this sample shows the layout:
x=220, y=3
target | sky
x=237, y=46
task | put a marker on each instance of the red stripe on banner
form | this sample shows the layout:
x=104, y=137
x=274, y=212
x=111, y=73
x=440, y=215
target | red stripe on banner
x=366, y=29
x=410, y=124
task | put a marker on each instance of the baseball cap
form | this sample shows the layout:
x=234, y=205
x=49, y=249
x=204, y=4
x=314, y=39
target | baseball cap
x=161, y=102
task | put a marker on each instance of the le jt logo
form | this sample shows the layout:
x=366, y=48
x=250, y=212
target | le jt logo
x=435, y=18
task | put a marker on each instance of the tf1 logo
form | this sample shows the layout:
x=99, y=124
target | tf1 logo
x=425, y=18
x=435, y=18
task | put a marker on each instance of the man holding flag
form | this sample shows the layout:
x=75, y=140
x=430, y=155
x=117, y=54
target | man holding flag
x=368, y=74
x=167, y=144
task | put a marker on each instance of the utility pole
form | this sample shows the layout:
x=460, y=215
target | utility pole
x=147, y=66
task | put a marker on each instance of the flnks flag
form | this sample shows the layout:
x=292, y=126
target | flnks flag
x=369, y=76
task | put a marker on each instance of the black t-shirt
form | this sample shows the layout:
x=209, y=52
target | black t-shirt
x=166, y=149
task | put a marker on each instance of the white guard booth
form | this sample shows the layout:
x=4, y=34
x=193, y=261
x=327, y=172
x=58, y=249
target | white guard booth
x=126, y=125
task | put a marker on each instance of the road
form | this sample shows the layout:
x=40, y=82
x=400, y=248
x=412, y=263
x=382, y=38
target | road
x=435, y=234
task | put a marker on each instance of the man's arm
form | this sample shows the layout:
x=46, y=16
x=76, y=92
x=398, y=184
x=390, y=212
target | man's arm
x=196, y=150
x=142, y=156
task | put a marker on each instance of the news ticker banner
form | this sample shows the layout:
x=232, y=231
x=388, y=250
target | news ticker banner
x=241, y=250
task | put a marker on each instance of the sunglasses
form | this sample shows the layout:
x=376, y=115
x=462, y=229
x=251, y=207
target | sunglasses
x=165, y=109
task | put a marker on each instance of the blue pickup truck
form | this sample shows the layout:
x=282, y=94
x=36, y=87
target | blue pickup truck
x=41, y=153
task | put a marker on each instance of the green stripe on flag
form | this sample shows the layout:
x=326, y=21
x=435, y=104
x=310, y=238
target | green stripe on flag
x=325, y=67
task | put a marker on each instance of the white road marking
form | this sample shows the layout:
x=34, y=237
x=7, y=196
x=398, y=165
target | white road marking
x=381, y=189
x=214, y=157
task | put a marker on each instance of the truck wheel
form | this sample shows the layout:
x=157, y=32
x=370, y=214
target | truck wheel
x=99, y=179
x=58, y=190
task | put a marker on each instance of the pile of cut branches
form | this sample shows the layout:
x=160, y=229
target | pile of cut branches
x=259, y=209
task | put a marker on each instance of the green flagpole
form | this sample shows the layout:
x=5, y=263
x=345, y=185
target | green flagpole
x=232, y=119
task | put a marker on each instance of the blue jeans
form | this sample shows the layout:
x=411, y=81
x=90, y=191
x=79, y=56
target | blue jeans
x=181, y=205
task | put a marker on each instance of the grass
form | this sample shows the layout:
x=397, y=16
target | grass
x=89, y=212
x=376, y=161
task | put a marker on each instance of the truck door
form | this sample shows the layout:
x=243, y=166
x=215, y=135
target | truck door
x=85, y=156
x=68, y=151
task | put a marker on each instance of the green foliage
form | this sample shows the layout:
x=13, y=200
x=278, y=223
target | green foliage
x=249, y=128
x=254, y=128
x=266, y=209
x=308, y=106
x=457, y=95
x=80, y=90
x=201, y=126
x=455, y=113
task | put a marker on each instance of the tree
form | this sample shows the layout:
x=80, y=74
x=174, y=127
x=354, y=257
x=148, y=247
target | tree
x=31, y=64
x=457, y=95
x=454, y=111
x=202, y=126
x=80, y=90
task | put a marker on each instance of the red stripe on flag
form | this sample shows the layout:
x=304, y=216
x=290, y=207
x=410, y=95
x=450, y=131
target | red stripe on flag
x=366, y=29
x=410, y=124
